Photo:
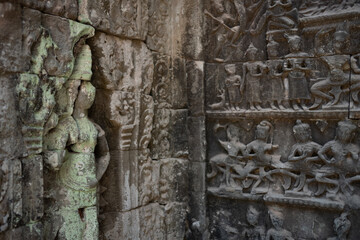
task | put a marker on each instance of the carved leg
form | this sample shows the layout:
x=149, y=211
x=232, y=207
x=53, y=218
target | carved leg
x=272, y=105
x=257, y=106
x=72, y=225
x=295, y=105
x=316, y=104
x=252, y=106
x=281, y=106
x=91, y=231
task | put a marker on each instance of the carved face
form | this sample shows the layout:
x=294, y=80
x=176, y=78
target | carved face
x=342, y=225
x=252, y=216
x=230, y=69
x=272, y=50
x=262, y=132
x=340, y=41
x=345, y=132
x=233, y=133
x=302, y=134
x=295, y=44
x=218, y=6
x=86, y=96
x=276, y=219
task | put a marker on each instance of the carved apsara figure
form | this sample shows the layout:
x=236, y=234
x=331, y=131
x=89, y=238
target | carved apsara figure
x=223, y=162
x=341, y=157
x=277, y=84
x=234, y=85
x=303, y=154
x=342, y=227
x=70, y=148
x=253, y=72
x=260, y=151
x=277, y=232
x=297, y=69
x=253, y=231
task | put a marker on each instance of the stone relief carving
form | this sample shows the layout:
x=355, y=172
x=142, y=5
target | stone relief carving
x=69, y=151
x=342, y=227
x=311, y=174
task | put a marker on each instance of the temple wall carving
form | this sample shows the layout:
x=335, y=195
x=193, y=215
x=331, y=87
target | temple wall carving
x=282, y=134
x=184, y=119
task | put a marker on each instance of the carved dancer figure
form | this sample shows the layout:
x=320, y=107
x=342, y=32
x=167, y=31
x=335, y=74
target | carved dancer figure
x=280, y=15
x=223, y=162
x=234, y=85
x=342, y=227
x=253, y=231
x=277, y=232
x=277, y=85
x=260, y=150
x=355, y=79
x=341, y=157
x=70, y=152
x=296, y=71
x=303, y=153
x=329, y=89
x=253, y=72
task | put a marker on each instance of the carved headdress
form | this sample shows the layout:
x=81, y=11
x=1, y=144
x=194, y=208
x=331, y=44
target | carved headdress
x=82, y=66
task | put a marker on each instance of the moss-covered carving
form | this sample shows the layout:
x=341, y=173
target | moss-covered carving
x=70, y=148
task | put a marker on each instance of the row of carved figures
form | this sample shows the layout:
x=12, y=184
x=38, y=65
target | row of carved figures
x=254, y=230
x=310, y=170
x=285, y=84
x=232, y=22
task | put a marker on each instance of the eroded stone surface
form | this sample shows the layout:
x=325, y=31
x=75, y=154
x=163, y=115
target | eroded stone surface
x=126, y=18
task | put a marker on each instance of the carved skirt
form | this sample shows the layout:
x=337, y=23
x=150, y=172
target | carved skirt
x=252, y=89
x=298, y=88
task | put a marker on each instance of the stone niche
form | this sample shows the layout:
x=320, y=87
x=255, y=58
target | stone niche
x=282, y=106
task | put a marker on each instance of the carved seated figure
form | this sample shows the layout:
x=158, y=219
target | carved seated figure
x=70, y=148
x=277, y=232
x=342, y=227
x=253, y=231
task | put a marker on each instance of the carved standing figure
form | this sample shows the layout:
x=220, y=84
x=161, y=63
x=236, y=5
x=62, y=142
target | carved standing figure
x=297, y=70
x=70, y=148
x=277, y=85
x=253, y=72
x=234, y=85
x=253, y=231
